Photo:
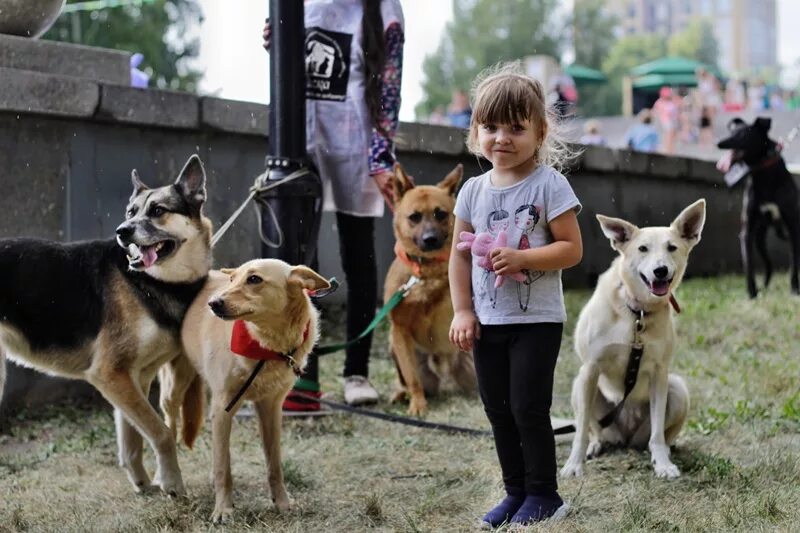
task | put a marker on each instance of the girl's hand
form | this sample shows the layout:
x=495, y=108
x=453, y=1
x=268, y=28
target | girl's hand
x=267, y=35
x=506, y=261
x=465, y=329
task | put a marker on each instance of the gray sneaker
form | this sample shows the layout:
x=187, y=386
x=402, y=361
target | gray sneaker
x=359, y=391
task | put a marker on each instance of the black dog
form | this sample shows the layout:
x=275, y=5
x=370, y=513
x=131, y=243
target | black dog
x=770, y=197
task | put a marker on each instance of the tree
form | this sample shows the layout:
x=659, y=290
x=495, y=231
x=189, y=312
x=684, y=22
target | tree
x=593, y=32
x=593, y=37
x=164, y=31
x=627, y=53
x=482, y=33
x=696, y=42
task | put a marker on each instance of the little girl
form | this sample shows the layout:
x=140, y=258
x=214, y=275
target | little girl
x=515, y=344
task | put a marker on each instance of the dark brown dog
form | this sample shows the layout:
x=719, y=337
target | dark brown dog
x=423, y=227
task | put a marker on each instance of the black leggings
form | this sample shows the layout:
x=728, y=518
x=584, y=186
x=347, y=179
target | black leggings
x=515, y=365
x=357, y=250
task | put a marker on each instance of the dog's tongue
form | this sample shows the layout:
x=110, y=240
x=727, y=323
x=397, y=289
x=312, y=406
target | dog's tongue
x=724, y=163
x=660, y=288
x=149, y=255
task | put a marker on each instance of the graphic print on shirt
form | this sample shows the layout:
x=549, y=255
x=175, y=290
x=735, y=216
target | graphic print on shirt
x=327, y=64
x=525, y=218
x=497, y=221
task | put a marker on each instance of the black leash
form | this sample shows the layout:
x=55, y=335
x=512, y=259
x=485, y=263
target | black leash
x=632, y=371
x=412, y=421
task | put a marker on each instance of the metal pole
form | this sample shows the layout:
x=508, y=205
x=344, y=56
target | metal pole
x=297, y=204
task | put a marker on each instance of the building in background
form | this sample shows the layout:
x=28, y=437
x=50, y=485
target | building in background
x=746, y=30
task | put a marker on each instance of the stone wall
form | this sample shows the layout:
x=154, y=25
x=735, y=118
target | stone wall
x=67, y=147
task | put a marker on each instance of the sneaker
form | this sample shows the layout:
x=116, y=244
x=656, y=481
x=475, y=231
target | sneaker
x=505, y=510
x=538, y=508
x=359, y=391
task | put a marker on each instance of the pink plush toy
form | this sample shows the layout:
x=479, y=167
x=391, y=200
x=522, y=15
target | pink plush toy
x=481, y=246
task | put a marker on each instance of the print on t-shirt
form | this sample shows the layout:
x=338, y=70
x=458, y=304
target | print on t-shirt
x=526, y=217
x=327, y=64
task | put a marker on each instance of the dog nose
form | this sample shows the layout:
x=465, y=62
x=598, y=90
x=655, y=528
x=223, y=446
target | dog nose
x=124, y=231
x=661, y=272
x=217, y=305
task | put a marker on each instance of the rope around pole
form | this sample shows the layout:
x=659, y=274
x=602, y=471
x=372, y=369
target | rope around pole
x=260, y=186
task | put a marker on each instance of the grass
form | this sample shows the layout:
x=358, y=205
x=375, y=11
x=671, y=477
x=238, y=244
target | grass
x=739, y=454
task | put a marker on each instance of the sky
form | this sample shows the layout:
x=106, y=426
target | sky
x=237, y=68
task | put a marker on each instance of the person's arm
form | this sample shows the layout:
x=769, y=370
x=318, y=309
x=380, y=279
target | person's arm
x=565, y=251
x=381, y=150
x=465, y=327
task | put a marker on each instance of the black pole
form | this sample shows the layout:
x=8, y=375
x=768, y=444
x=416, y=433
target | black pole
x=297, y=205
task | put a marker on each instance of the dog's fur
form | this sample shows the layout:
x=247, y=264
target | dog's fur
x=651, y=264
x=770, y=198
x=270, y=296
x=423, y=226
x=86, y=311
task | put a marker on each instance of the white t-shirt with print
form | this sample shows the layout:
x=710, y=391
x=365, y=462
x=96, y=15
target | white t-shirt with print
x=524, y=210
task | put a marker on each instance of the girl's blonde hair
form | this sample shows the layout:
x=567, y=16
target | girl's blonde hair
x=504, y=94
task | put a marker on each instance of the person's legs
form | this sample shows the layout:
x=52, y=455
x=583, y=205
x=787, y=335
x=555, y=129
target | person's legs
x=533, y=352
x=493, y=373
x=357, y=250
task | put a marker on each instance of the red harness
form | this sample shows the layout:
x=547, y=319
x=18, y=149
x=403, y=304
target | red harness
x=242, y=343
x=415, y=262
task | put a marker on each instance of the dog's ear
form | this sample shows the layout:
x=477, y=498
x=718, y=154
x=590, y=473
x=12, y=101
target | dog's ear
x=401, y=183
x=451, y=182
x=306, y=278
x=192, y=181
x=227, y=271
x=619, y=231
x=138, y=186
x=689, y=224
x=763, y=124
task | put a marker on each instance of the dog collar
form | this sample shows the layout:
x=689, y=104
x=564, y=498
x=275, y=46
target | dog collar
x=415, y=262
x=242, y=343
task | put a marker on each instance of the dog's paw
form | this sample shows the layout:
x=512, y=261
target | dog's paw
x=417, y=406
x=666, y=470
x=222, y=515
x=572, y=469
x=283, y=504
x=594, y=449
x=173, y=488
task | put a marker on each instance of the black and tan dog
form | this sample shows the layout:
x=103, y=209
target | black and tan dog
x=770, y=197
x=110, y=311
x=423, y=227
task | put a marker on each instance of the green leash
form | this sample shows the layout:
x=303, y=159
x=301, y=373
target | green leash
x=396, y=298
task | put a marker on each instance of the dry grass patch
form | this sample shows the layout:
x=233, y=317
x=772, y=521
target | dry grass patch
x=739, y=454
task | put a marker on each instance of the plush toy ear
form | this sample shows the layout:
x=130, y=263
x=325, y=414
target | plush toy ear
x=401, y=183
x=619, y=231
x=689, y=224
x=307, y=279
x=451, y=182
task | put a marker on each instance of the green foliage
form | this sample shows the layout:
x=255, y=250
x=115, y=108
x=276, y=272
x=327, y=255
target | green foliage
x=593, y=32
x=482, y=33
x=164, y=31
x=625, y=54
x=696, y=42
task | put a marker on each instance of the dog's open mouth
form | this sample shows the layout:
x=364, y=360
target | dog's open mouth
x=659, y=287
x=147, y=256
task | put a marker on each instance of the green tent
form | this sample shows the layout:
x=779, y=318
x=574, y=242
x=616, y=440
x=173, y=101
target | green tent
x=668, y=65
x=585, y=75
x=653, y=82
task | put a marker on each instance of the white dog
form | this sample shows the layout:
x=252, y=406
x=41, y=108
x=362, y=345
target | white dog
x=629, y=317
